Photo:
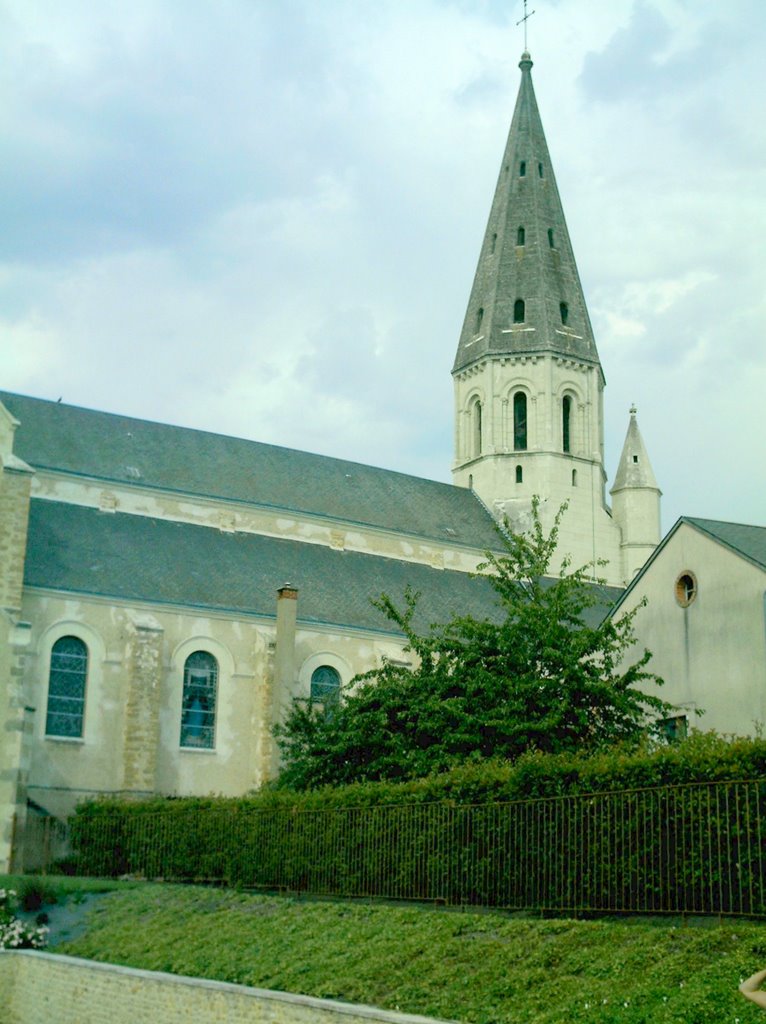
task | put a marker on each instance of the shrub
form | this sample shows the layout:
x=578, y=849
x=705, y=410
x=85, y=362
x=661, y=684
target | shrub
x=34, y=892
x=15, y=934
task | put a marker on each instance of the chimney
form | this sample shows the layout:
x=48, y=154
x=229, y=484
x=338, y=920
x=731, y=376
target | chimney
x=284, y=657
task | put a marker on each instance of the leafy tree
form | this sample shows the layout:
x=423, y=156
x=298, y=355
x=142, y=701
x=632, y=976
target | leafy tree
x=535, y=677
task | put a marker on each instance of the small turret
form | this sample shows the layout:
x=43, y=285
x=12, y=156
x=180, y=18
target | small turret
x=636, y=501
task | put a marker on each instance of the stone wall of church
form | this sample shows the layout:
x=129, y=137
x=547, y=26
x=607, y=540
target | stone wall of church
x=131, y=735
x=710, y=650
x=15, y=482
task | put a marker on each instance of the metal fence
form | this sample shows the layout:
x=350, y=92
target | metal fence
x=678, y=849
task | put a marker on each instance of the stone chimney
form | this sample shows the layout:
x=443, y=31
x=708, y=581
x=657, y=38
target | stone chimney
x=284, y=660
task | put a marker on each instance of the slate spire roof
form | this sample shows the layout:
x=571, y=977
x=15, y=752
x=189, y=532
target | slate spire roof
x=634, y=469
x=527, y=256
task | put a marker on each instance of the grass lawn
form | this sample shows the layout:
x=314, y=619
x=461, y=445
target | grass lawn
x=463, y=966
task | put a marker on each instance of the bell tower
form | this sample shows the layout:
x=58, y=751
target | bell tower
x=527, y=376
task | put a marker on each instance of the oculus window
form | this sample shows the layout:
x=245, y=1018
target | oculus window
x=198, y=703
x=686, y=589
x=66, y=688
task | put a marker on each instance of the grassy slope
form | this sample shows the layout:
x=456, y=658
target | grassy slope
x=461, y=966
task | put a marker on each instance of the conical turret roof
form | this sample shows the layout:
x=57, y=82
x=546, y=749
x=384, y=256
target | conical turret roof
x=634, y=469
x=526, y=257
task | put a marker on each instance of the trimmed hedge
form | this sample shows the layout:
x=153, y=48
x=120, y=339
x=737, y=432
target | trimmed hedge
x=624, y=830
x=703, y=757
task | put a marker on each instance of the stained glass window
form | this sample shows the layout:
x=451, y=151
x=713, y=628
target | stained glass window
x=66, y=688
x=325, y=685
x=199, y=701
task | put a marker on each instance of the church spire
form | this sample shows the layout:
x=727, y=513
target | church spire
x=526, y=296
x=529, y=412
x=636, y=501
x=634, y=469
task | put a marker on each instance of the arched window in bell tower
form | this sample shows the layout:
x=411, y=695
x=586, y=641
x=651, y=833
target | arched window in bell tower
x=520, y=236
x=518, y=311
x=520, y=422
x=475, y=443
x=566, y=423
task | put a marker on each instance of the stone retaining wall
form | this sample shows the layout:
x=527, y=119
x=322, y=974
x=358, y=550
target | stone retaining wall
x=56, y=989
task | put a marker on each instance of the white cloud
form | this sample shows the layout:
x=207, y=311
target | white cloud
x=264, y=218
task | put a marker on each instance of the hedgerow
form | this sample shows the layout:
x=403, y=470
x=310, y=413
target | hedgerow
x=703, y=757
x=483, y=833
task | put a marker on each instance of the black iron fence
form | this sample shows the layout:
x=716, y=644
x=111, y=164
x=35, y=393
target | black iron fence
x=678, y=849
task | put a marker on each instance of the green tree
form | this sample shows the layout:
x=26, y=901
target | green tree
x=534, y=677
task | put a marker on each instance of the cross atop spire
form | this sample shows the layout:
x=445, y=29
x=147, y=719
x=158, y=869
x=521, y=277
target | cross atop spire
x=524, y=21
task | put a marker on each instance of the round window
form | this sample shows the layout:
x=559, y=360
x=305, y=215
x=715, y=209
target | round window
x=686, y=589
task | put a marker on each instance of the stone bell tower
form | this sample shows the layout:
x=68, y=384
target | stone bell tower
x=528, y=380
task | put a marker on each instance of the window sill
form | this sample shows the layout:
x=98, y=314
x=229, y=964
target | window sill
x=65, y=739
x=197, y=750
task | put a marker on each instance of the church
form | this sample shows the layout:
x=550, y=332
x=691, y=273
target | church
x=167, y=592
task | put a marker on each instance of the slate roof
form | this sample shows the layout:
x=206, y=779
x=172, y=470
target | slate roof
x=747, y=541
x=119, y=449
x=136, y=558
x=541, y=271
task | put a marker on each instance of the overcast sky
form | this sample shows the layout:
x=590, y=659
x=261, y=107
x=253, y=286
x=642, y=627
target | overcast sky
x=262, y=217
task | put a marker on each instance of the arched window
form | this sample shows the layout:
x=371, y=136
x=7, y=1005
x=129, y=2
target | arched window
x=550, y=238
x=518, y=311
x=520, y=421
x=564, y=310
x=494, y=243
x=198, y=703
x=540, y=170
x=325, y=685
x=520, y=236
x=519, y=474
x=566, y=423
x=479, y=318
x=476, y=428
x=523, y=169
x=574, y=478
x=66, y=688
